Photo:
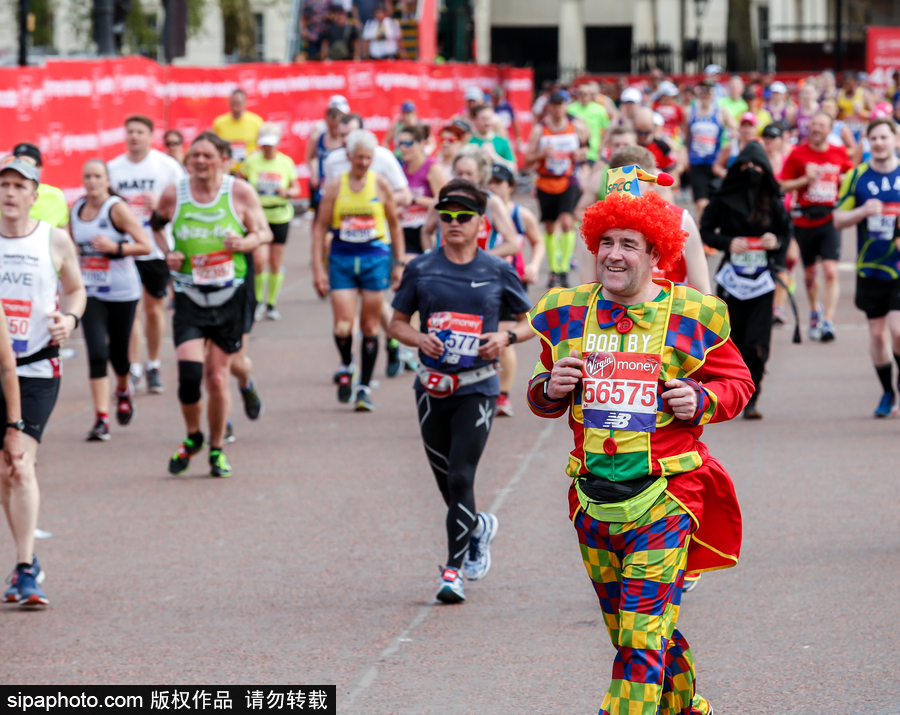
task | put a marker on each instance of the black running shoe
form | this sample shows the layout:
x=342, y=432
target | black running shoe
x=125, y=410
x=100, y=431
x=181, y=460
x=252, y=404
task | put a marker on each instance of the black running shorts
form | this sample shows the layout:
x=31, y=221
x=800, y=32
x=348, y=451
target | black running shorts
x=225, y=325
x=552, y=205
x=702, y=181
x=819, y=242
x=876, y=297
x=155, y=276
x=280, y=232
x=38, y=395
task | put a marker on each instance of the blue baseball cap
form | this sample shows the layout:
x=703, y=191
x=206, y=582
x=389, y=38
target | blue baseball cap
x=408, y=107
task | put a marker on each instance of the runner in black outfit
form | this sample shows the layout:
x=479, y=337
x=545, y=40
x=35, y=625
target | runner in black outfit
x=459, y=291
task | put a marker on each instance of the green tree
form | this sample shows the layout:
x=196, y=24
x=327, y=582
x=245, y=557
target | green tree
x=240, y=29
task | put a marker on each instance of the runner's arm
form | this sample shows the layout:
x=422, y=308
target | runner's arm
x=320, y=229
x=428, y=237
x=398, y=243
x=437, y=179
x=165, y=211
x=535, y=239
x=589, y=195
x=253, y=218
x=13, y=445
x=125, y=220
x=311, y=159
x=719, y=167
x=503, y=224
x=709, y=222
x=534, y=154
x=725, y=382
x=73, y=296
x=694, y=256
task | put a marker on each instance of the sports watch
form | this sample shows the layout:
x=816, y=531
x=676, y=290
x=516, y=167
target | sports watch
x=18, y=424
x=512, y=337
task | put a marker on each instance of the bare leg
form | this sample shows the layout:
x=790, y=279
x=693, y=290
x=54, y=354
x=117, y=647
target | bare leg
x=216, y=369
x=100, y=393
x=832, y=288
x=21, y=500
x=812, y=286
x=242, y=365
x=154, y=312
x=192, y=351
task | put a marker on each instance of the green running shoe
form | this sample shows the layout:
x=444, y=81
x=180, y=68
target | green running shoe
x=181, y=460
x=218, y=464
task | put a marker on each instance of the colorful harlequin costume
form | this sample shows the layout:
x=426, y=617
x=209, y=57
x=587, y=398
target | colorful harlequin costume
x=647, y=500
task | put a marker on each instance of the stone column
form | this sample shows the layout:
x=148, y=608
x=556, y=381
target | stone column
x=572, y=55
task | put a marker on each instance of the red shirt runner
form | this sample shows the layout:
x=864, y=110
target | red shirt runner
x=823, y=190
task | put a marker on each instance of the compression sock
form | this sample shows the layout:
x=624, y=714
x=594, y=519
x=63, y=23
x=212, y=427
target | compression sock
x=369, y=354
x=154, y=364
x=551, y=240
x=345, y=348
x=103, y=416
x=260, y=280
x=275, y=282
x=567, y=242
x=884, y=376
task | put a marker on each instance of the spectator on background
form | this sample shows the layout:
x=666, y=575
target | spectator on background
x=238, y=127
x=312, y=26
x=777, y=106
x=50, y=205
x=382, y=36
x=174, y=142
x=734, y=104
x=483, y=135
x=505, y=114
x=340, y=38
x=594, y=116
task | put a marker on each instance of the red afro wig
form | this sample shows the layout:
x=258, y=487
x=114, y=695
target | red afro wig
x=650, y=214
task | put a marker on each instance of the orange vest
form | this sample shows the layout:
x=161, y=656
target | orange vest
x=554, y=170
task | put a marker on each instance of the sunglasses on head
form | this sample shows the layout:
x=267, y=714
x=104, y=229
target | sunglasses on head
x=460, y=216
x=406, y=142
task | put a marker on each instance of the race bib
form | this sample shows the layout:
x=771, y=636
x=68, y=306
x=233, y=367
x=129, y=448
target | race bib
x=619, y=391
x=558, y=163
x=213, y=269
x=140, y=207
x=753, y=260
x=18, y=322
x=413, y=216
x=268, y=183
x=460, y=333
x=881, y=227
x=358, y=229
x=823, y=189
x=95, y=273
x=238, y=151
x=704, y=145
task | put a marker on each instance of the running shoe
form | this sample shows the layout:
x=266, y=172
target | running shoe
x=751, y=412
x=690, y=583
x=394, y=365
x=888, y=406
x=827, y=333
x=229, y=434
x=478, y=558
x=345, y=383
x=553, y=281
x=451, y=588
x=125, y=409
x=27, y=582
x=218, y=464
x=563, y=279
x=181, y=460
x=12, y=593
x=272, y=313
x=778, y=316
x=504, y=407
x=364, y=399
x=154, y=381
x=136, y=378
x=100, y=431
x=409, y=359
x=260, y=312
x=815, y=323
x=253, y=406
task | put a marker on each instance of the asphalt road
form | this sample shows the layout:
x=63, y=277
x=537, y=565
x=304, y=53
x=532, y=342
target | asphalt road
x=317, y=562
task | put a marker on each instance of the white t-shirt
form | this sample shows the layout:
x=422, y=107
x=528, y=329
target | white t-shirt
x=132, y=180
x=383, y=37
x=384, y=163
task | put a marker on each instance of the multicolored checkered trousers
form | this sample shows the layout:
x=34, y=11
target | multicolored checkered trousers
x=637, y=569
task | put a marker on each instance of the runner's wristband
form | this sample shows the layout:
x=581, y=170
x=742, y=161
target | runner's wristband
x=77, y=321
x=119, y=253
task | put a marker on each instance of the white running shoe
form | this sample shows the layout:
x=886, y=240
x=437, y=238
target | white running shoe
x=260, y=312
x=451, y=588
x=478, y=558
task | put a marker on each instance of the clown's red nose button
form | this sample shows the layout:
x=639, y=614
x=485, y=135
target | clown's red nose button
x=624, y=325
x=610, y=446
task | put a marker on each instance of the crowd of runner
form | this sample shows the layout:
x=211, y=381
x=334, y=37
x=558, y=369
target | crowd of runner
x=418, y=238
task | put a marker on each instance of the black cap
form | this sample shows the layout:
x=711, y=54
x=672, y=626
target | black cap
x=26, y=149
x=501, y=172
x=462, y=199
x=772, y=131
x=557, y=98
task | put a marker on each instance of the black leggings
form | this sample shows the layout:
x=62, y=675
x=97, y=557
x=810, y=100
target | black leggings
x=454, y=431
x=102, y=320
x=751, y=333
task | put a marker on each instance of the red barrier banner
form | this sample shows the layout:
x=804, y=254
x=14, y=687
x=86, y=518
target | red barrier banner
x=882, y=54
x=74, y=110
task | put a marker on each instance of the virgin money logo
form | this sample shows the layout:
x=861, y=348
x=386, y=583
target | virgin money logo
x=440, y=321
x=600, y=365
x=361, y=82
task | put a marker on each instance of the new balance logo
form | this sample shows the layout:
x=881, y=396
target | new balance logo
x=617, y=420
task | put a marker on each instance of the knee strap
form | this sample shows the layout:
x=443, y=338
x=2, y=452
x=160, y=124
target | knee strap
x=190, y=377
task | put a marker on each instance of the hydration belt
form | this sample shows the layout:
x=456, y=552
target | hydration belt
x=439, y=384
x=51, y=351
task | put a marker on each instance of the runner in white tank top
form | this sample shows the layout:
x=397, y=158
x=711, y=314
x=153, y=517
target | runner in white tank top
x=109, y=237
x=34, y=259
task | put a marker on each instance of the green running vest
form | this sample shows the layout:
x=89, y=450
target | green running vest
x=199, y=231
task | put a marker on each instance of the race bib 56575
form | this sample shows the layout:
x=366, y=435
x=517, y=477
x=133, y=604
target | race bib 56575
x=619, y=391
